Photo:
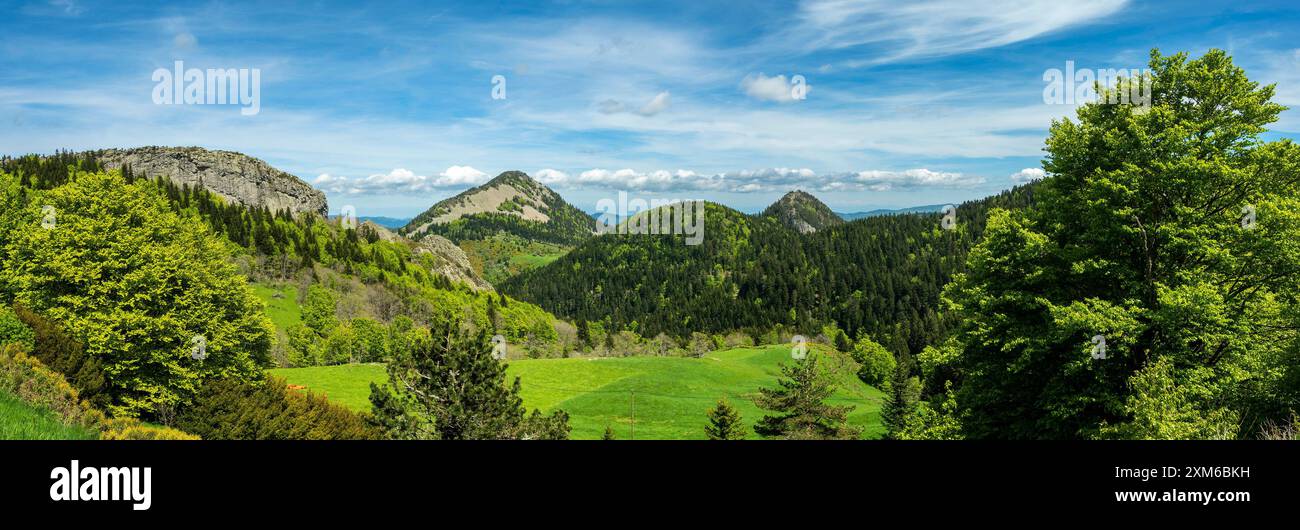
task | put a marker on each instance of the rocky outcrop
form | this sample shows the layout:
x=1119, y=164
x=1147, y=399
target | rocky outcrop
x=451, y=261
x=235, y=176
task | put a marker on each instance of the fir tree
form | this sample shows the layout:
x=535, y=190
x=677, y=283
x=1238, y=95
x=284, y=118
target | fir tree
x=725, y=423
x=452, y=389
x=901, y=402
x=800, y=404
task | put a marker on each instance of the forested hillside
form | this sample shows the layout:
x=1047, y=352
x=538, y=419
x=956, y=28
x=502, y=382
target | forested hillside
x=881, y=276
x=136, y=267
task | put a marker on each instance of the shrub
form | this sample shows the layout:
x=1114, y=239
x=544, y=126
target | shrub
x=28, y=380
x=13, y=331
x=229, y=409
x=59, y=351
x=133, y=429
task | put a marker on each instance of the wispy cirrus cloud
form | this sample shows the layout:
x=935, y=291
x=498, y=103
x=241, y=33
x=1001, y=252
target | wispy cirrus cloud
x=892, y=31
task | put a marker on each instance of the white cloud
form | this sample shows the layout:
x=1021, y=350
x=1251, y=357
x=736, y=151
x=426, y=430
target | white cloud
x=660, y=103
x=1028, y=174
x=185, y=40
x=877, y=180
x=456, y=176
x=657, y=104
x=759, y=180
x=399, y=181
x=767, y=88
x=551, y=177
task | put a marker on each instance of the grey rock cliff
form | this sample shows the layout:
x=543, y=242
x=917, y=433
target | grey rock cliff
x=235, y=176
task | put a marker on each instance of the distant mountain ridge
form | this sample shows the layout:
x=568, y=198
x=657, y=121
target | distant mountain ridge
x=391, y=223
x=850, y=216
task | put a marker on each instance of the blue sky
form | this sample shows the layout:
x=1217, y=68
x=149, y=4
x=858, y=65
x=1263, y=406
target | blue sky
x=389, y=107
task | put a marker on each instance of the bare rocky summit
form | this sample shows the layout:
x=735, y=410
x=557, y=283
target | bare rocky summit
x=235, y=176
x=802, y=212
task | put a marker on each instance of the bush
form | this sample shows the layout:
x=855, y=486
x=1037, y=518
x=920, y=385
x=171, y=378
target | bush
x=228, y=409
x=28, y=380
x=59, y=351
x=133, y=429
x=737, y=339
x=13, y=331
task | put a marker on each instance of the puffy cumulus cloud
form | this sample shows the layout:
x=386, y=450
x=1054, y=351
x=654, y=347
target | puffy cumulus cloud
x=767, y=88
x=657, y=104
x=877, y=180
x=661, y=180
x=1028, y=174
x=456, y=176
x=551, y=177
x=400, y=180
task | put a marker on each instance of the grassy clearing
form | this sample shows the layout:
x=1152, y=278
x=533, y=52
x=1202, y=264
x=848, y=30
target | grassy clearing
x=672, y=393
x=21, y=421
x=281, y=304
x=348, y=384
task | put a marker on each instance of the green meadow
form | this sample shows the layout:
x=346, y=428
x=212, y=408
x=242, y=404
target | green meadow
x=668, y=396
x=20, y=421
x=281, y=304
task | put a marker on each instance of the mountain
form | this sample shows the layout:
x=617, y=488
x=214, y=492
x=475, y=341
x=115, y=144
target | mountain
x=512, y=203
x=880, y=275
x=930, y=208
x=233, y=176
x=802, y=212
x=506, y=226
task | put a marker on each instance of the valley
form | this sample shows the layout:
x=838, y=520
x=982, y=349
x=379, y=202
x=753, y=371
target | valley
x=672, y=394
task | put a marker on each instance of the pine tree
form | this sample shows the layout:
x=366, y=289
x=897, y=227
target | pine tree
x=800, y=403
x=452, y=389
x=609, y=434
x=902, y=400
x=584, y=334
x=725, y=423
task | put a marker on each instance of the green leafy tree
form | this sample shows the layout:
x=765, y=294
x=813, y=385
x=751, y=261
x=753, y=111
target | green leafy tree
x=725, y=423
x=800, y=405
x=1166, y=237
x=452, y=388
x=877, y=363
x=609, y=434
x=137, y=282
x=319, y=310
